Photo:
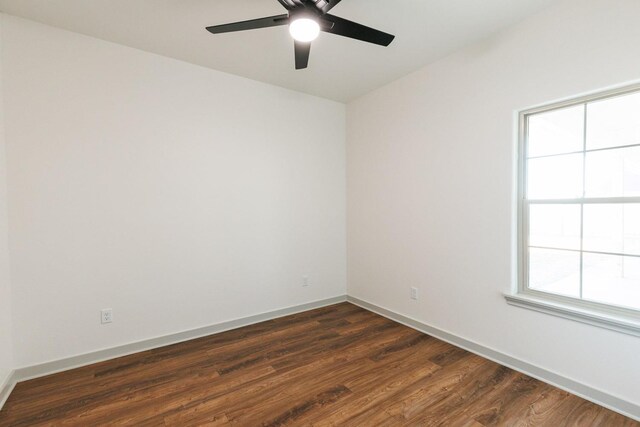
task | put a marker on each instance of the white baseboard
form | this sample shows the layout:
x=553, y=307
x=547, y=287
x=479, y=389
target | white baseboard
x=596, y=396
x=6, y=387
x=599, y=397
x=36, y=371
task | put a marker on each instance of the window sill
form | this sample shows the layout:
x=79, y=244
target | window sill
x=624, y=324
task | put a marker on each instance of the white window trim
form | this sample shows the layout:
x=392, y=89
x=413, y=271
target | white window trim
x=597, y=314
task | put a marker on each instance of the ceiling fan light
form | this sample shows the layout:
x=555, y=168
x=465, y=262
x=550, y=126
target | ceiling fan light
x=304, y=30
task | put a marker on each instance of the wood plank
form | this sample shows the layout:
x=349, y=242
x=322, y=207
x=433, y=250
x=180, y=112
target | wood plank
x=338, y=365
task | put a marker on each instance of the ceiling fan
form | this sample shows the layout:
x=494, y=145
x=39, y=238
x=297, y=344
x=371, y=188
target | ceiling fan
x=306, y=18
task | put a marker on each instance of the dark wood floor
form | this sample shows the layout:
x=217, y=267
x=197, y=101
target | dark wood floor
x=338, y=365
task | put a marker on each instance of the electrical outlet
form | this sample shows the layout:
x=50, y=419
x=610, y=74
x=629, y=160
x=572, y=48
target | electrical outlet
x=414, y=293
x=305, y=281
x=106, y=315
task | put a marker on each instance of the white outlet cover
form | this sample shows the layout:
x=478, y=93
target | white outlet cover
x=106, y=315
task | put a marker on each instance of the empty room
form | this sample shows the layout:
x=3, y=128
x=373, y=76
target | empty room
x=320, y=213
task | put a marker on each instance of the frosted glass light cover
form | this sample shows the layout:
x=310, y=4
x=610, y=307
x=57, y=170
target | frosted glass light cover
x=304, y=30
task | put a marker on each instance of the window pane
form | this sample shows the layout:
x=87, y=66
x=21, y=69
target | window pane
x=556, y=132
x=614, y=122
x=554, y=226
x=613, y=173
x=558, y=177
x=557, y=272
x=612, y=228
x=612, y=280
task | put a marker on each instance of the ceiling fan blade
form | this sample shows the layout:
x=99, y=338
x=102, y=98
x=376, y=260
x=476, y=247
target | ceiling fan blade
x=345, y=28
x=325, y=6
x=302, y=54
x=289, y=4
x=271, y=21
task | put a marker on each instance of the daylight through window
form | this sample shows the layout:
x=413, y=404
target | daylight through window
x=580, y=201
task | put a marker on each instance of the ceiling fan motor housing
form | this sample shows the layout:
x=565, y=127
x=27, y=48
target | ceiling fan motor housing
x=321, y=6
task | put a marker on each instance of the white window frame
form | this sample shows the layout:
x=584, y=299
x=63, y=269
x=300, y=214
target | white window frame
x=620, y=319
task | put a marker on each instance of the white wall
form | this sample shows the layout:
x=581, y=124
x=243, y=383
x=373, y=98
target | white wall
x=430, y=177
x=6, y=342
x=176, y=195
x=183, y=197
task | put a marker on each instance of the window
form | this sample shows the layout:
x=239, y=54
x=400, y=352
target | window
x=579, y=205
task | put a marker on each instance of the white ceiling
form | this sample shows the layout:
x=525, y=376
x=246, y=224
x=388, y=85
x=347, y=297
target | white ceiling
x=339, y=69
